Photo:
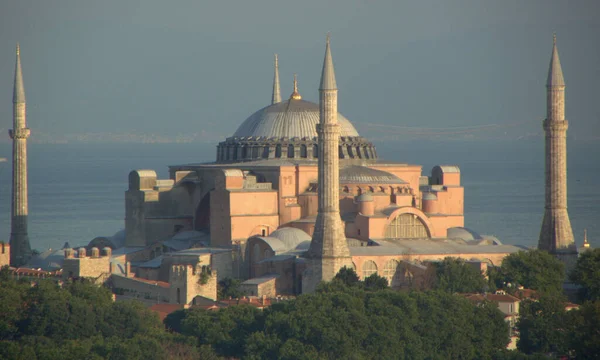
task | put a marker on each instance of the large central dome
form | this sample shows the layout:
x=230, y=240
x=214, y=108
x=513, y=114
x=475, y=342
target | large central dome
x=292, y=118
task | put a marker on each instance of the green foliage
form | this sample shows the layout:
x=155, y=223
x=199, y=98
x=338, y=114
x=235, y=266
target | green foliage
x=205, y=275
x=80, y=321
x=454, y=275
x=375, y=282
x=347, y=276
x=587, y=274
x=229, y=288
x=349, y=322
x=543, y=325
x=533, y=269
x=584, y=335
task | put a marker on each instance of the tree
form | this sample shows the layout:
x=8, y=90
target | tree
x=347, y=276
x=454, y=275
x=587, y=274
x=375, y=282
x=543, y=325
x=533, y=269
x=585, y=337
x=229, y=288
x=349, y=322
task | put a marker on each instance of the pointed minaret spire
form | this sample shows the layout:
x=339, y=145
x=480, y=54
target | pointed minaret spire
x=328, y=251
x=328, y=74
x=295, y=95
x=555, y=74
x=18, y=89
x=19, y=240
x=276, y=98
x=556, y=235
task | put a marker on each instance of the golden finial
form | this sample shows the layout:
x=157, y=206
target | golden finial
x=554, y=38
x=18, y=49
x=586, y=244
x=295, y=95
x=276, y=61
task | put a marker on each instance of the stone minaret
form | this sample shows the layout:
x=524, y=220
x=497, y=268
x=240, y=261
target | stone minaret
x=276, y=98
x=19, y=240
x=556, y=235
x=328, y=251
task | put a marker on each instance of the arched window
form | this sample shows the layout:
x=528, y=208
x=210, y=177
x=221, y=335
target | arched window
x=303, y=152
x=265, y=154
x=406, y=226
x=358, y=154
x=291, y=151
x=244, y=152
x=391, y=271
x=369, y=268
x=315, y=151
x=278, y=151
x=350, y=151
x=267, y=254
x=178, y=295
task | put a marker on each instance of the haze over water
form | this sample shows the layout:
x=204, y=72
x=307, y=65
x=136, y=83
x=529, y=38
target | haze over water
x=76, y=191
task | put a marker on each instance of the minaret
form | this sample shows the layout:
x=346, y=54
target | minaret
x=328, y=251
x=19, y=240
x=556, y=235
x=276, y=98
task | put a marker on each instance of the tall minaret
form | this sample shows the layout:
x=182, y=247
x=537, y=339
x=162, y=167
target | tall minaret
x=19, y=240
x=276, y=98
x=328, y=251
x=556, y=235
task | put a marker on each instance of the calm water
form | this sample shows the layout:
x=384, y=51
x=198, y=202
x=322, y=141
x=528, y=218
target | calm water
x=76, y=191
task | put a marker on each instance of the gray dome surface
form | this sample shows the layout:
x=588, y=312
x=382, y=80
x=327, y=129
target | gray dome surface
x=356, y=174
x=290, y=118
x=290, y=236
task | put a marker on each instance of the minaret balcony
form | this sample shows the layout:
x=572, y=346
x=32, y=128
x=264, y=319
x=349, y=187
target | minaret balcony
x=22, y=133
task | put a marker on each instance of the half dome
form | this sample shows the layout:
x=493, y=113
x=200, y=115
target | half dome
x=292, y=118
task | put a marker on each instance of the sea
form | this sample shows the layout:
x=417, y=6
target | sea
x=77, y=190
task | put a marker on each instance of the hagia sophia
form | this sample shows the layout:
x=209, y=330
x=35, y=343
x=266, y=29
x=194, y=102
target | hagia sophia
x=294, y=195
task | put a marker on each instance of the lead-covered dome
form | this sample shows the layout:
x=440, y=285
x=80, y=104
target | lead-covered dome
x=290, y=118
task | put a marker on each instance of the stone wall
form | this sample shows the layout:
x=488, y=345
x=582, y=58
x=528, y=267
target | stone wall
x=4, y=254
x=139, y=288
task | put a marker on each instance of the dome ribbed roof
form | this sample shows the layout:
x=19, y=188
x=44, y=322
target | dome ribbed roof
x=291, y=118
x=356, y=174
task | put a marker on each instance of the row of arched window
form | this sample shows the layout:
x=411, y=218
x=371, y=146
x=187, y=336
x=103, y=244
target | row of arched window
x=392, y=271
x=244, y=152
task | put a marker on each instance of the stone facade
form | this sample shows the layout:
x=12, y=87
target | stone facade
x=188, y=281
x=4, y=254
x=80, y=265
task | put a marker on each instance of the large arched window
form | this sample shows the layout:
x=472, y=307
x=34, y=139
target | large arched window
x=406, y=226
x=369, y=268
x=391, y=271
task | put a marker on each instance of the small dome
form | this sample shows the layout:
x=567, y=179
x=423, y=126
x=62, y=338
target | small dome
x=364, y=197
x=290, y=236
x=462, y=233
x=290, y=118
x=356, y=174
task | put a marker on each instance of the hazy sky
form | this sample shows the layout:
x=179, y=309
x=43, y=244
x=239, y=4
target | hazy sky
x=179, y=67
